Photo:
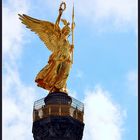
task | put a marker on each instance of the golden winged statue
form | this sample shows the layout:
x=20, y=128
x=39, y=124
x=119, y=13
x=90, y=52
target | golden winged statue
x=54, y=75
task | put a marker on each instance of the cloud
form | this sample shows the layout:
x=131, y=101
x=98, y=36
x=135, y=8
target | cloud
x=17, y=97
x=17, y=113
x=103, y=118
x=115, y=13
x=132, y=82
x=12, y=34
x=121, y=12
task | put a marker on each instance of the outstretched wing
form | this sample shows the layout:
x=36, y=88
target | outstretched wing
x=47, y=31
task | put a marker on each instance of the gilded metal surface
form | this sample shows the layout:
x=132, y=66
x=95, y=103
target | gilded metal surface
x=54, y=75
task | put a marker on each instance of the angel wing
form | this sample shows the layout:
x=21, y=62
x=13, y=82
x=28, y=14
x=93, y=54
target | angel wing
x=48, y=32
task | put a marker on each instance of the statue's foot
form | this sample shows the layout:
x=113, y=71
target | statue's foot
x=65, y=90
x=54, y=89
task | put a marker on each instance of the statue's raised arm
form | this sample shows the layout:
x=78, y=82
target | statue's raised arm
x=54, y=75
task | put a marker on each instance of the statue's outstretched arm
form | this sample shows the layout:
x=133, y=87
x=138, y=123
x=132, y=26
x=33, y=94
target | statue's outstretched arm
x=61, y=9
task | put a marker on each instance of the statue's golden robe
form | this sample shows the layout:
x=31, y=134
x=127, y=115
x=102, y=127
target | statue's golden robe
x=55, y=73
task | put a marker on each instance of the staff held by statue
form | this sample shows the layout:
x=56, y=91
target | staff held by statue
x=72, y=27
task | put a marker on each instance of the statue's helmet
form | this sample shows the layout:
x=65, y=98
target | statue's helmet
x=66, y=30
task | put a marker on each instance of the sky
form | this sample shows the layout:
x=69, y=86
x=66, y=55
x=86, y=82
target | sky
x=103, y=76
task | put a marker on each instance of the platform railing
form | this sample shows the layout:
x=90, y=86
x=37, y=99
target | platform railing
x=74, y=110
x=75, y=103
x=57, y=110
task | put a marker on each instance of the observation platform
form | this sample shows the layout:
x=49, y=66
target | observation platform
x=58, y=106
x=58, y=117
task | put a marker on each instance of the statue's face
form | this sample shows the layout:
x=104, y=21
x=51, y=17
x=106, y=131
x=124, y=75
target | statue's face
x=66, y=31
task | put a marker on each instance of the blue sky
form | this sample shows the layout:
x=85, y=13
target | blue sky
x=103, y=76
